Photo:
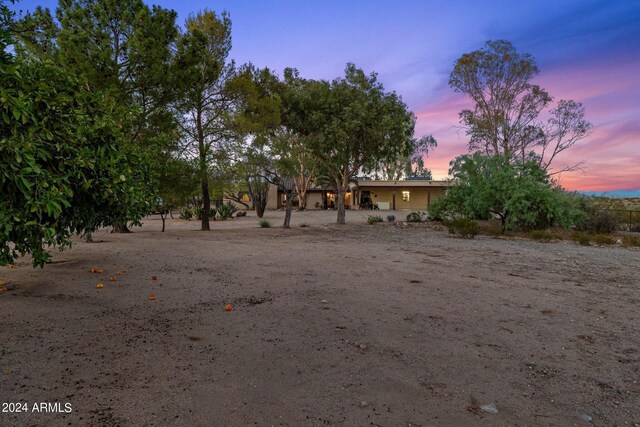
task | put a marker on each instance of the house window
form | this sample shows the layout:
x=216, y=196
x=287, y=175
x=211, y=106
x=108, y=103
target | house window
x=405, y=196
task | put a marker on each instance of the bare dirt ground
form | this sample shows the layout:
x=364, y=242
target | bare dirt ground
x=331, y=325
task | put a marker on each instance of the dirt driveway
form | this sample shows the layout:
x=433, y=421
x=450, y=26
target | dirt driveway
x=331, y=325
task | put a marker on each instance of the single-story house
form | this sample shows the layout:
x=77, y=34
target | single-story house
x=371, y=194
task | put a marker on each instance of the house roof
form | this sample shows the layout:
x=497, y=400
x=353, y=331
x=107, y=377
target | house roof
x=403, y=183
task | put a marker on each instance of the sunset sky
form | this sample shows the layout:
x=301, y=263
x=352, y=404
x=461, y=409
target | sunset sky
x=587, y=50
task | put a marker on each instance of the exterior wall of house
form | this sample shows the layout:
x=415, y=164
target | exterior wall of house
x=314, y=197
x=419, y=197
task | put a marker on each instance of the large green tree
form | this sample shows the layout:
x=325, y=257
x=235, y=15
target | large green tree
x=208, y=99
x=505, y=118
x=64, y=165
x=122, y=49
x=357, y=125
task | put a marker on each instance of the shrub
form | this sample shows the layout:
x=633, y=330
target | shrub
x=542, y=235
x=304, y=225
x=374, y=219
x=391, y=218
x=264, y=223
x=227, y=210
x=604, y=239
x=462, y=227
x=629, y=241
x=581, y=238
x=415, y=216
x=186, y=213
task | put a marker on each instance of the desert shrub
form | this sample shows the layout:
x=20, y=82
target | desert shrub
x=186, y=213
x=374, y=219
x=391, y=218
x=581, y=237
x=463, y=227
x=226, y=211
x=264, y=223
x=522, y=195
x=494, y=230
x=416, y=216
x=630, y=241
x=603, y=239
x=545, y=235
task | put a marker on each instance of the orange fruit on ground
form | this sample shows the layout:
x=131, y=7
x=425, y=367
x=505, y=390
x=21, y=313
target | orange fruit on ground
x=94, y=270
x=154, y=277
x=99, y=286
x=227, y=307
x=112, y=278
x=101, y=270
x=152, y=297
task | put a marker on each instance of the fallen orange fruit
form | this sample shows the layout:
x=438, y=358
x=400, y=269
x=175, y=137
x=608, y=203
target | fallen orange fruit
x=152, y=297
x=154, y=277
x=94, y=270
x=227, y=307
x=112, y=278
x=99, y=286
x=2, y=282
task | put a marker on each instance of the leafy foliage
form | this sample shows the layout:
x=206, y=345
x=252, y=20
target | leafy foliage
x=356, y=126
x=416, y=216
x=521, y=195
x=374, y=219
x=64, y=166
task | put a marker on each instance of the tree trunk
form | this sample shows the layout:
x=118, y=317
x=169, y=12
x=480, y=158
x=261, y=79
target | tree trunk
x=120, y=227
x=302, y=199
x=88, y=237
x=287, y=212
x=204, y=181
x=163, y=215
x=206, y=204
x=340, y=200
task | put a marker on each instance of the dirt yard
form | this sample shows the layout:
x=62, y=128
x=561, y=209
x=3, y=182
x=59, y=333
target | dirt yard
x=331, y=325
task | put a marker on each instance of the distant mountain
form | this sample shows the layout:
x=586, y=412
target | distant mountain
x=617, y=194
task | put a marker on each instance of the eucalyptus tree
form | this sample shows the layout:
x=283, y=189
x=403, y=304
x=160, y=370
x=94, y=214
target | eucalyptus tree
x=356, y=126
x=505, y=119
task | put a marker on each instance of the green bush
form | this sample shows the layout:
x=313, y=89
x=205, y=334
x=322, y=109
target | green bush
x=521, y=195
x=374, y=219
x=462, y=227
x=415, y=216
x=226, y=211
x=264, y=223
x=186, y=213
x=391, y=218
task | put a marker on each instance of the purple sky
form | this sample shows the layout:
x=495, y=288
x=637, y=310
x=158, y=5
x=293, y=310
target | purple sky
x=587, y=50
